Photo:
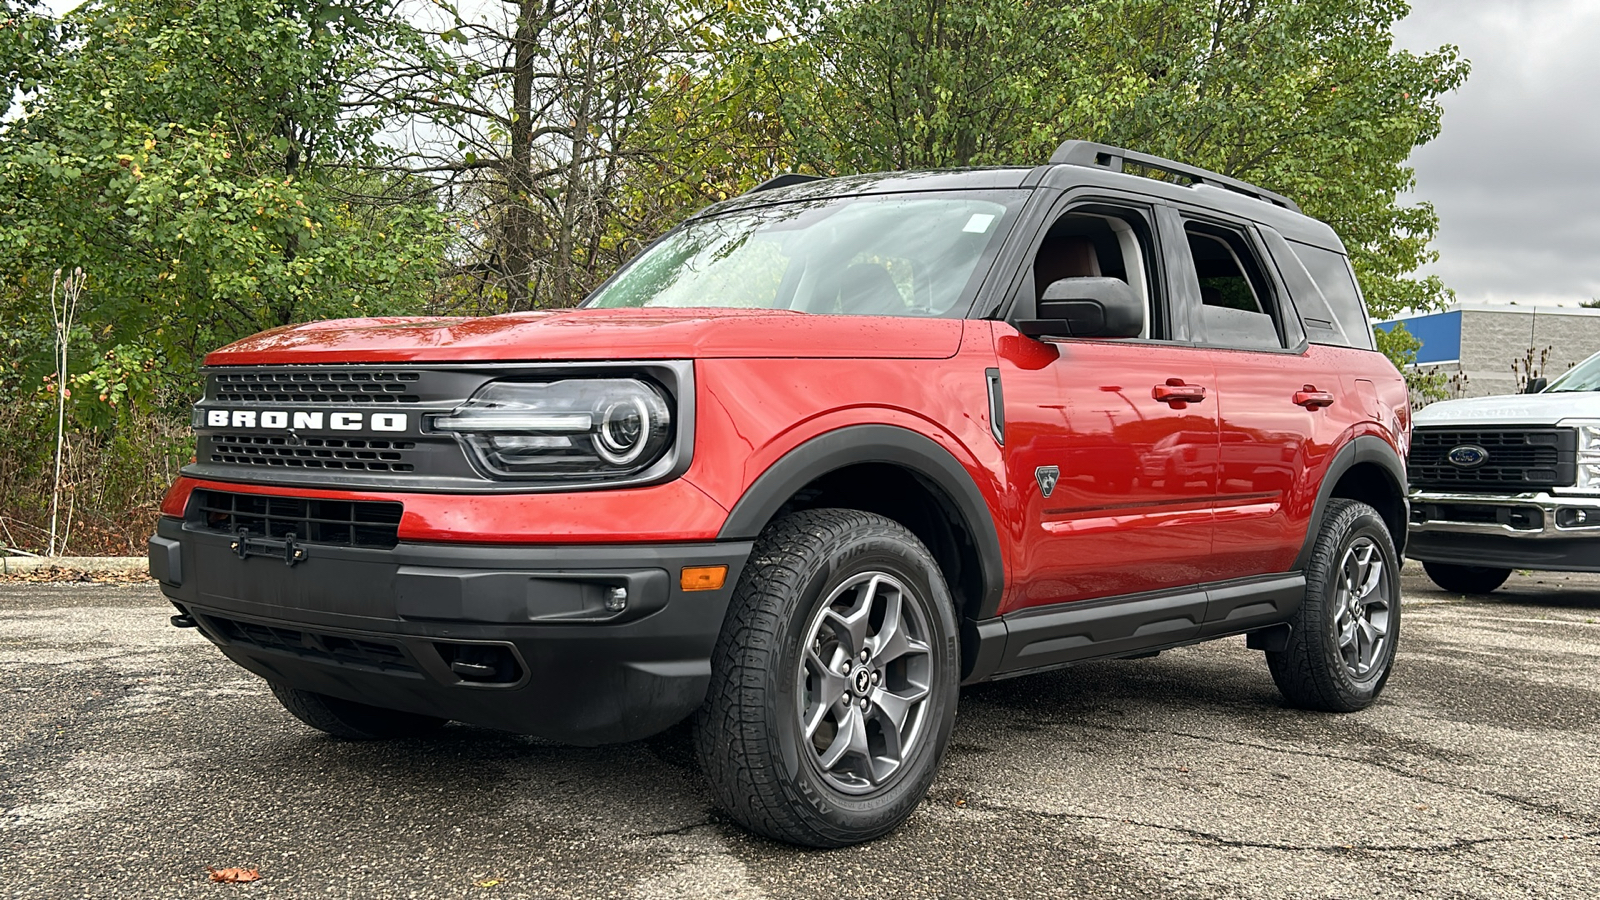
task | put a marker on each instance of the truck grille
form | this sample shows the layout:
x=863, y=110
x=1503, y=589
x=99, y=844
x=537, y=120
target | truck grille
x=315, y=386
x=330, y=648
x=373, y=524
x=316, y=425
x=346, y=454
x=1519, y=459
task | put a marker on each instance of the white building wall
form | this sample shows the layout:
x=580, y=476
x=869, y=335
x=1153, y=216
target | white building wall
x=1497, y=341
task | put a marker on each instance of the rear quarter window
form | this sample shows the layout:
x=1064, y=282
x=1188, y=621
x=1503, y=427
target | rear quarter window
x=1339, y=316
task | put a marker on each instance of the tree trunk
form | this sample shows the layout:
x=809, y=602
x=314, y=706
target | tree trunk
x=518, y=255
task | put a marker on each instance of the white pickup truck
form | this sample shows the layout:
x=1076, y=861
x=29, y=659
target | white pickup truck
x=1502, y=483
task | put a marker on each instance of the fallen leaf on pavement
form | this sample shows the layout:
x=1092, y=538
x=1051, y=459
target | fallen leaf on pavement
x=233, y=875
x=488, y=882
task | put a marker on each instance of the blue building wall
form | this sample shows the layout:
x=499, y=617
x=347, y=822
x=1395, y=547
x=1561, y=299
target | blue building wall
x=1440, y=334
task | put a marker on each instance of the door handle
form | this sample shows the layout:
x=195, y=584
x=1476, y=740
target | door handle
x=1176, y=392
x=1311, y=398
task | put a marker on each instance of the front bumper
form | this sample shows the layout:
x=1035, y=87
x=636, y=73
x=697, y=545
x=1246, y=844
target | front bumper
x=515, y=638
x=1536, y=530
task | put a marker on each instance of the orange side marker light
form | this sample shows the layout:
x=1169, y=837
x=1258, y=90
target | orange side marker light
x=703, y=578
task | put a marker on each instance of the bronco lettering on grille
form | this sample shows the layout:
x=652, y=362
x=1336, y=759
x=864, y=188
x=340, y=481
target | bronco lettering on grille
x=280, y=420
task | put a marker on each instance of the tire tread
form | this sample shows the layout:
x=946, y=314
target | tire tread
x=1300, y=670
x=733, y=741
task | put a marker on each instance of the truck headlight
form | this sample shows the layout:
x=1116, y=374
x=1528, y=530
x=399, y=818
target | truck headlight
x=1589, y=457
x=576, y=429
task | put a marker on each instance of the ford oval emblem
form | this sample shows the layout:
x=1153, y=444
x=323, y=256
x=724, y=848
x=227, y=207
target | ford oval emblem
x=1468, y=456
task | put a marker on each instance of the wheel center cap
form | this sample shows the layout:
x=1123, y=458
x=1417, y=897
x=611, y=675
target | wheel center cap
x=861, y=681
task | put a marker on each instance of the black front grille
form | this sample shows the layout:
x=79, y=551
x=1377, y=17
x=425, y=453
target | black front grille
x=315, y=386
x=1519, y=459
x=356, y=653
x=346, y=454
x=346, y=523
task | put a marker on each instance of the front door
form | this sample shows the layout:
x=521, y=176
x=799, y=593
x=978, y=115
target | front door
x=1110, y=445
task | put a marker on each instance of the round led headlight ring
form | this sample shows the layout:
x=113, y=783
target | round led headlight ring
x=624, y=430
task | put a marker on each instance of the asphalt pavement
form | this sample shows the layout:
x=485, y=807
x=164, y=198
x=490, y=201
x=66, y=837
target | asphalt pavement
x=133, y=756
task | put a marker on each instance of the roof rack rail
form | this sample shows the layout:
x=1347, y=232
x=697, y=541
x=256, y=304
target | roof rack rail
x=783, y=180
x=1105, y=156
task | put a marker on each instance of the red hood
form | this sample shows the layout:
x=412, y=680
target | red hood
x=577, y=334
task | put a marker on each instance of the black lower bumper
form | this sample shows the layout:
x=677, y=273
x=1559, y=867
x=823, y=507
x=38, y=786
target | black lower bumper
x=1575, y=554
x=516, y=638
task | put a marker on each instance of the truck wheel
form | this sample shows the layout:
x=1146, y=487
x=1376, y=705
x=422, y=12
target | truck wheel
x=1344, y=635
x=833, y=683
x=353, y=721
x=1466, y=579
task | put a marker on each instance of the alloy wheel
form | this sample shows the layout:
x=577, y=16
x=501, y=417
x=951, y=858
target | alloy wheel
x=864, y=681
x=1364, y=607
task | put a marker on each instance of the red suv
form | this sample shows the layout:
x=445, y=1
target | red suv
x=810, y=462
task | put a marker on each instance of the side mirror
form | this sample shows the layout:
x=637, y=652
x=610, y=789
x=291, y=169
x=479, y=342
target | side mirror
x=1087, y=307
x=1535, y=385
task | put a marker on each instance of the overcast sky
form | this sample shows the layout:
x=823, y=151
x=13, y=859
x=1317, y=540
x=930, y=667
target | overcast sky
x=1514, y=176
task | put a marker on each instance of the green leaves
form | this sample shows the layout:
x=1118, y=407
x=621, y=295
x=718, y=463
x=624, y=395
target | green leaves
x=1305, y=97
x=194, y=157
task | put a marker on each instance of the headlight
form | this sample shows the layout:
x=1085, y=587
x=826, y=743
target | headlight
x=1588, y=455
x=578, y=429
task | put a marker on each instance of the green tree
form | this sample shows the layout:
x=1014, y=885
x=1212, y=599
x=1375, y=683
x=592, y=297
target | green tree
x=1306, y=97
x=27, y=41
x=1401, y=346
x=193, y=157
x=550, y=123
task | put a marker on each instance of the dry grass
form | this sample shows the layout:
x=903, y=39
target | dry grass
x=111, y=485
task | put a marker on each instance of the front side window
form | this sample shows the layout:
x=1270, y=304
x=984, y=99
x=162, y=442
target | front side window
x=1100, y=242
x=884, y=255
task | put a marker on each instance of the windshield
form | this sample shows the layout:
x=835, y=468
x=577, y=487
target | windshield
x=1584, y=376
x=887, y=255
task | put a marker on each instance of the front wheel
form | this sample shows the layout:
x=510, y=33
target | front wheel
x=833, y=683
x=1466, y=579
x=1342, y=645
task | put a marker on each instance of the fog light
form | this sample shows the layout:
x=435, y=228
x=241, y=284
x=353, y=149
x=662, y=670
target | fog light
x=703, y=578
x=616, y=599
x=1573, y=517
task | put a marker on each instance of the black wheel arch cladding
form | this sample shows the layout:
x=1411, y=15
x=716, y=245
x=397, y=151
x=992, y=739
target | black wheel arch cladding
x=886, y=444
x=1379, y=456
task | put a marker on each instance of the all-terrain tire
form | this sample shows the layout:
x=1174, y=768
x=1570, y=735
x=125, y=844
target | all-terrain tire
x=1466, y=579
x=353, y=721
x=753, y=747
x=1315, y=671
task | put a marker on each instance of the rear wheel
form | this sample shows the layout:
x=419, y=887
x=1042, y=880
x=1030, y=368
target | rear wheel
x=1342, y=645
x=1466, y=579
x=833, y=684
x=353, y=721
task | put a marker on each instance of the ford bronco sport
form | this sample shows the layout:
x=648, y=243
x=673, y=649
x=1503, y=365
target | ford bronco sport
x=1508, y=482
x=810, y=462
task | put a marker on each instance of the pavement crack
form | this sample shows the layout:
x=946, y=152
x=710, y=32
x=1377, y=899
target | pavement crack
x=1523, y=803
x=1447, y=847
x=682, y=829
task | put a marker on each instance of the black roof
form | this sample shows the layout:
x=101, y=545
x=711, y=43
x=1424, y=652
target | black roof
x=1098, y=163
x=991, y=178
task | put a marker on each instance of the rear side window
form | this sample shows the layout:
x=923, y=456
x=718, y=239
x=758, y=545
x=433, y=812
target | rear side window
x=1341, y=305
x=1238, y=308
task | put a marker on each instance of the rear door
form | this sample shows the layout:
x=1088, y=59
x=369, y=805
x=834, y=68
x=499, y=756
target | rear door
x=1281, y=405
